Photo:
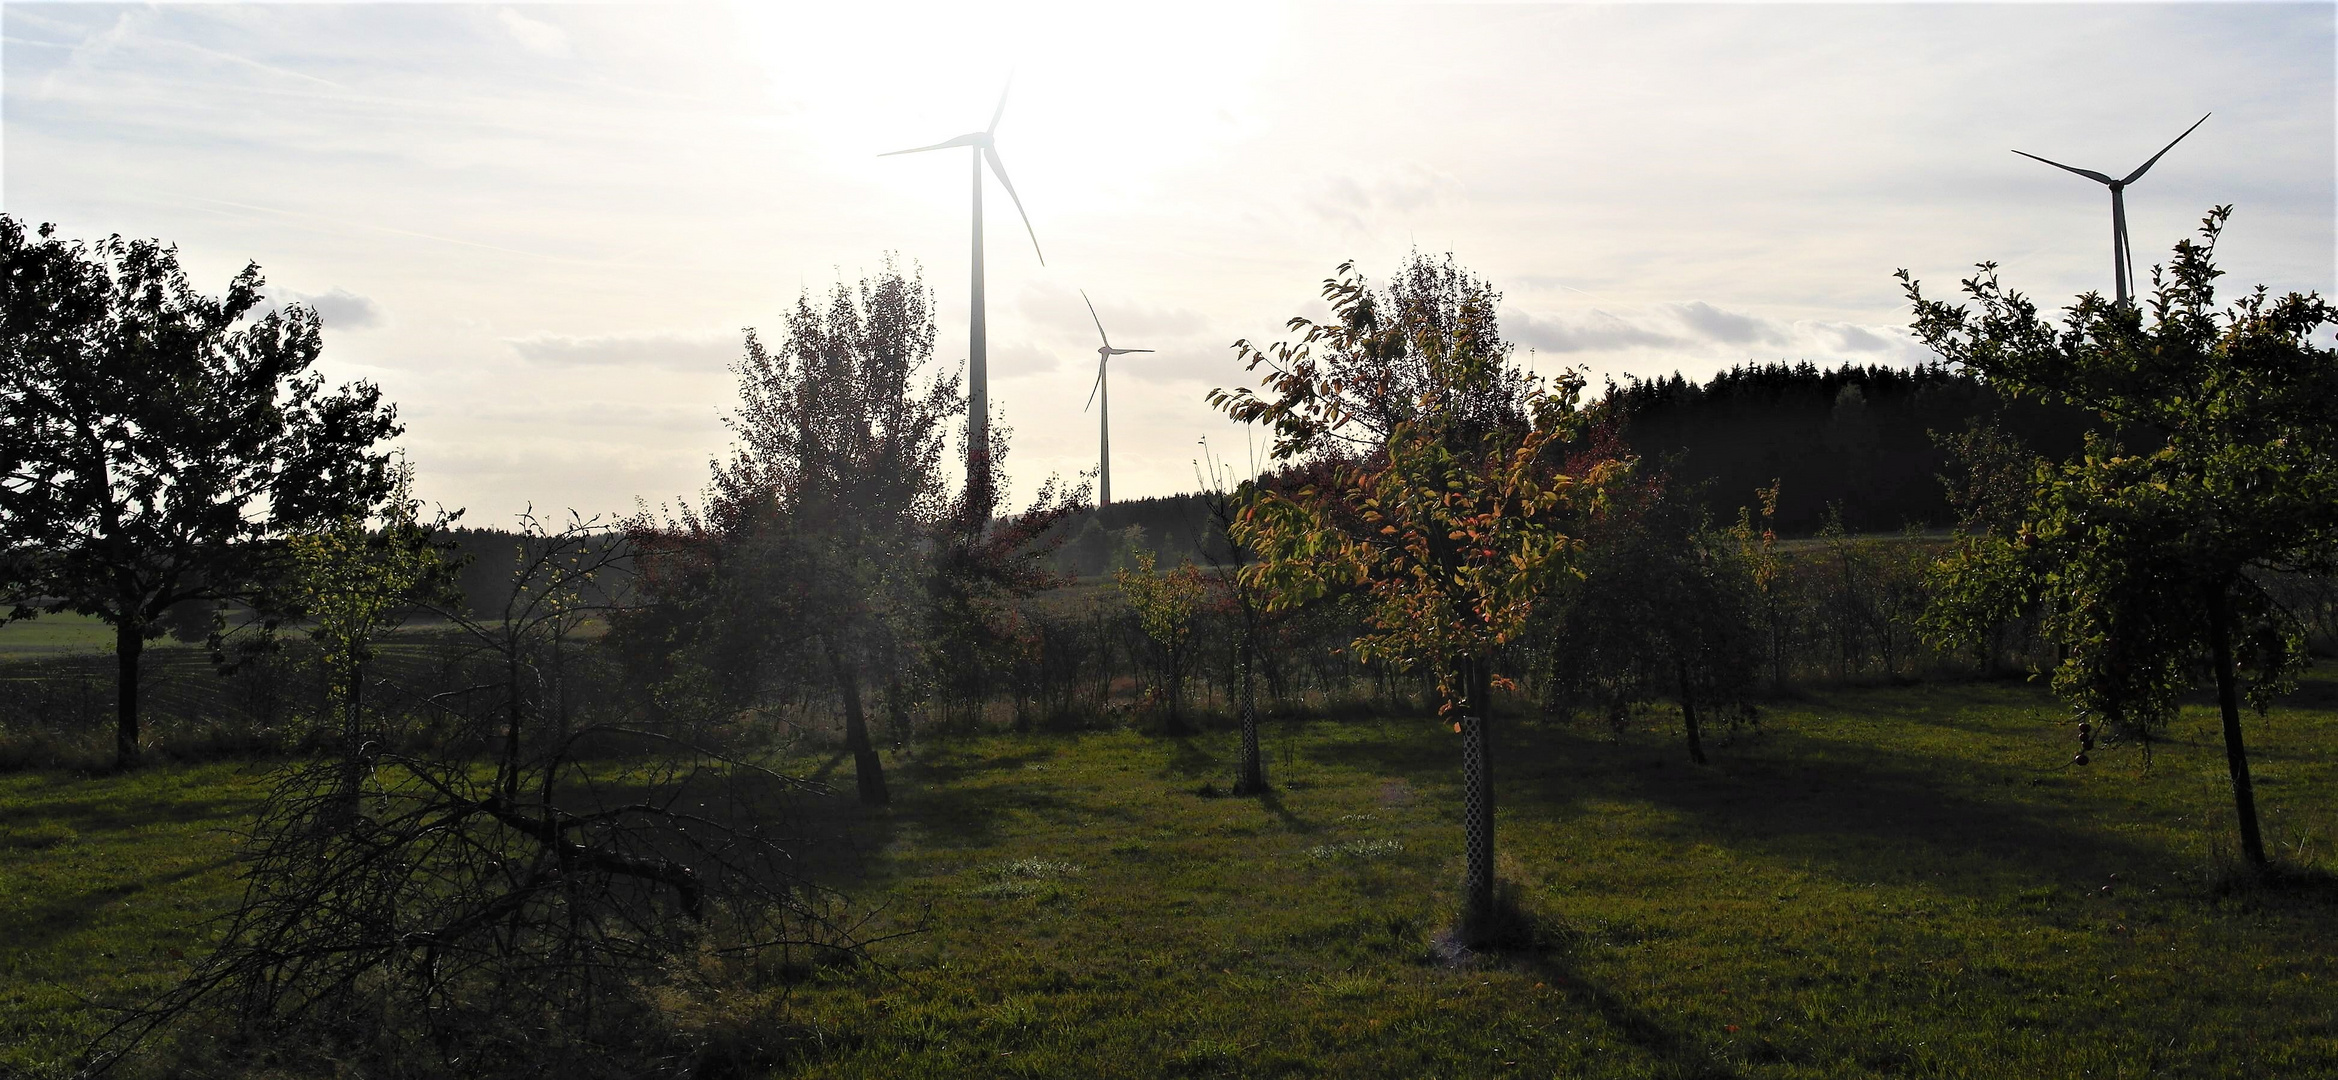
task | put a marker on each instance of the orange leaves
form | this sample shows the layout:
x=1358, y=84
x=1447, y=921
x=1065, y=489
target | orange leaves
x=1450, y=525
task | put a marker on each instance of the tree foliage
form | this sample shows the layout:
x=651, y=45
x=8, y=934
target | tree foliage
x=1166, y=602
x=155, y=441
x=2150, y=548
x=812, y=538
x=354, y=580
x=501, y=902
x=1665, y=606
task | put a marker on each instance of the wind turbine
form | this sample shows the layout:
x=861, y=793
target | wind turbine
x=2122, y=258
x=1104, y=355
x=978, y=492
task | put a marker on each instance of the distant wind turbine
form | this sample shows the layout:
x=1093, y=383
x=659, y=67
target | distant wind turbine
x=1104, y=355
x=978, y=492
x=2122, y=258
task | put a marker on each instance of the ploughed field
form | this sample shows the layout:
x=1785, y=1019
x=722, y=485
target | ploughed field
x=1893, y=881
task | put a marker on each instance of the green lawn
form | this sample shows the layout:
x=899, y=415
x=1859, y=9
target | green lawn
x=1883, y=882
x=105, y=886
x=48, y=635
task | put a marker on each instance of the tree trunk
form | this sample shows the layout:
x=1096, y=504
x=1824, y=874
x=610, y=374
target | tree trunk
x=352, y=795
x=1176, y=691
x=1688, y=714
x=897, y=712
x=129, y=641
x=867, y=769
x=2236, y=755
x=1477, y=815
x=1777, y=621
x=1252, y=778
x=513, y=710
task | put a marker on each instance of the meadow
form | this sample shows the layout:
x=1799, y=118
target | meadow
x=1899, y=881
x=50, y=635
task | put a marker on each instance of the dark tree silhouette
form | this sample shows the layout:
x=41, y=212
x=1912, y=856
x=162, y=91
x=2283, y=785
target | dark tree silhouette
x=154, y=440
x=1664, y=607
x=2149, y=550
x=837, y=475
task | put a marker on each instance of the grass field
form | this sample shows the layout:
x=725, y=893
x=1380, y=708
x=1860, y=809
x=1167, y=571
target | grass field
x=49, y=635
x=1901, y=882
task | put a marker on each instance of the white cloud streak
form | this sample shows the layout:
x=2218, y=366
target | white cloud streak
x=670, y=351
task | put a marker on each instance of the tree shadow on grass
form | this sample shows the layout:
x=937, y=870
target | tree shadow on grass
x=1916, y=818
x=1550, y=959
x=55, y=918
x=936, y=803
x=1272, y=802
x=1189, y=760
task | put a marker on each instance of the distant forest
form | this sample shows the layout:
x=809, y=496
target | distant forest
x=1861, y=438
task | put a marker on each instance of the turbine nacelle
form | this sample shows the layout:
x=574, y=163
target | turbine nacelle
x=985, y=146
x=1104, y=352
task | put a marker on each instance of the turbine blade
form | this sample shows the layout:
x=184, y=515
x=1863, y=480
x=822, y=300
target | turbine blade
x=962, y=140
x=1001, y=170
x=2088, y=173
x=2146, y=166
x=1002, y=106
x=1092, y=389
x=1120, y=352
x=1092, y=316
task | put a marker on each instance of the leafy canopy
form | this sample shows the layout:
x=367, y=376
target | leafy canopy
x=152, y=436
x=2220, y=466
x=1445, y=515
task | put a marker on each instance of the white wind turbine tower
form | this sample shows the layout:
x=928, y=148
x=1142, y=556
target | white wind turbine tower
x=2122, y=258
x=977, y=357
x=1104, y=355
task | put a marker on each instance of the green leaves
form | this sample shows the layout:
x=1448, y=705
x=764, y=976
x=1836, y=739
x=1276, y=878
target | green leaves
x=1446, y=518
x=2218, y=465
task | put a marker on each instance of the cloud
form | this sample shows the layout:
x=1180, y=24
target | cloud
x=1728, y=327
x=1373, y=200
x=543, y=39
x=1598, y=331
x=1860, y=339
x=591, y=414
x=1697, y=328
x=1133, y=325
x=337, y=308
x=667, y=350
x=1010, y=358
x=341, y=309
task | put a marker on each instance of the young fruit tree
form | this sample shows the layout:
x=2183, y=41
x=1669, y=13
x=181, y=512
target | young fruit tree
x=2152, y=548
x=1664, y=606
x=1450, y=529
x=1166, y=603
x=836, y=482
x=353, y=581
x=155, y=442
x=1243, y=602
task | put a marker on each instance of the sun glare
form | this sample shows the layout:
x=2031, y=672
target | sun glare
x=1106, y=102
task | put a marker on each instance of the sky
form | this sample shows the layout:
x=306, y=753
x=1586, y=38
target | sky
x=542, y=228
